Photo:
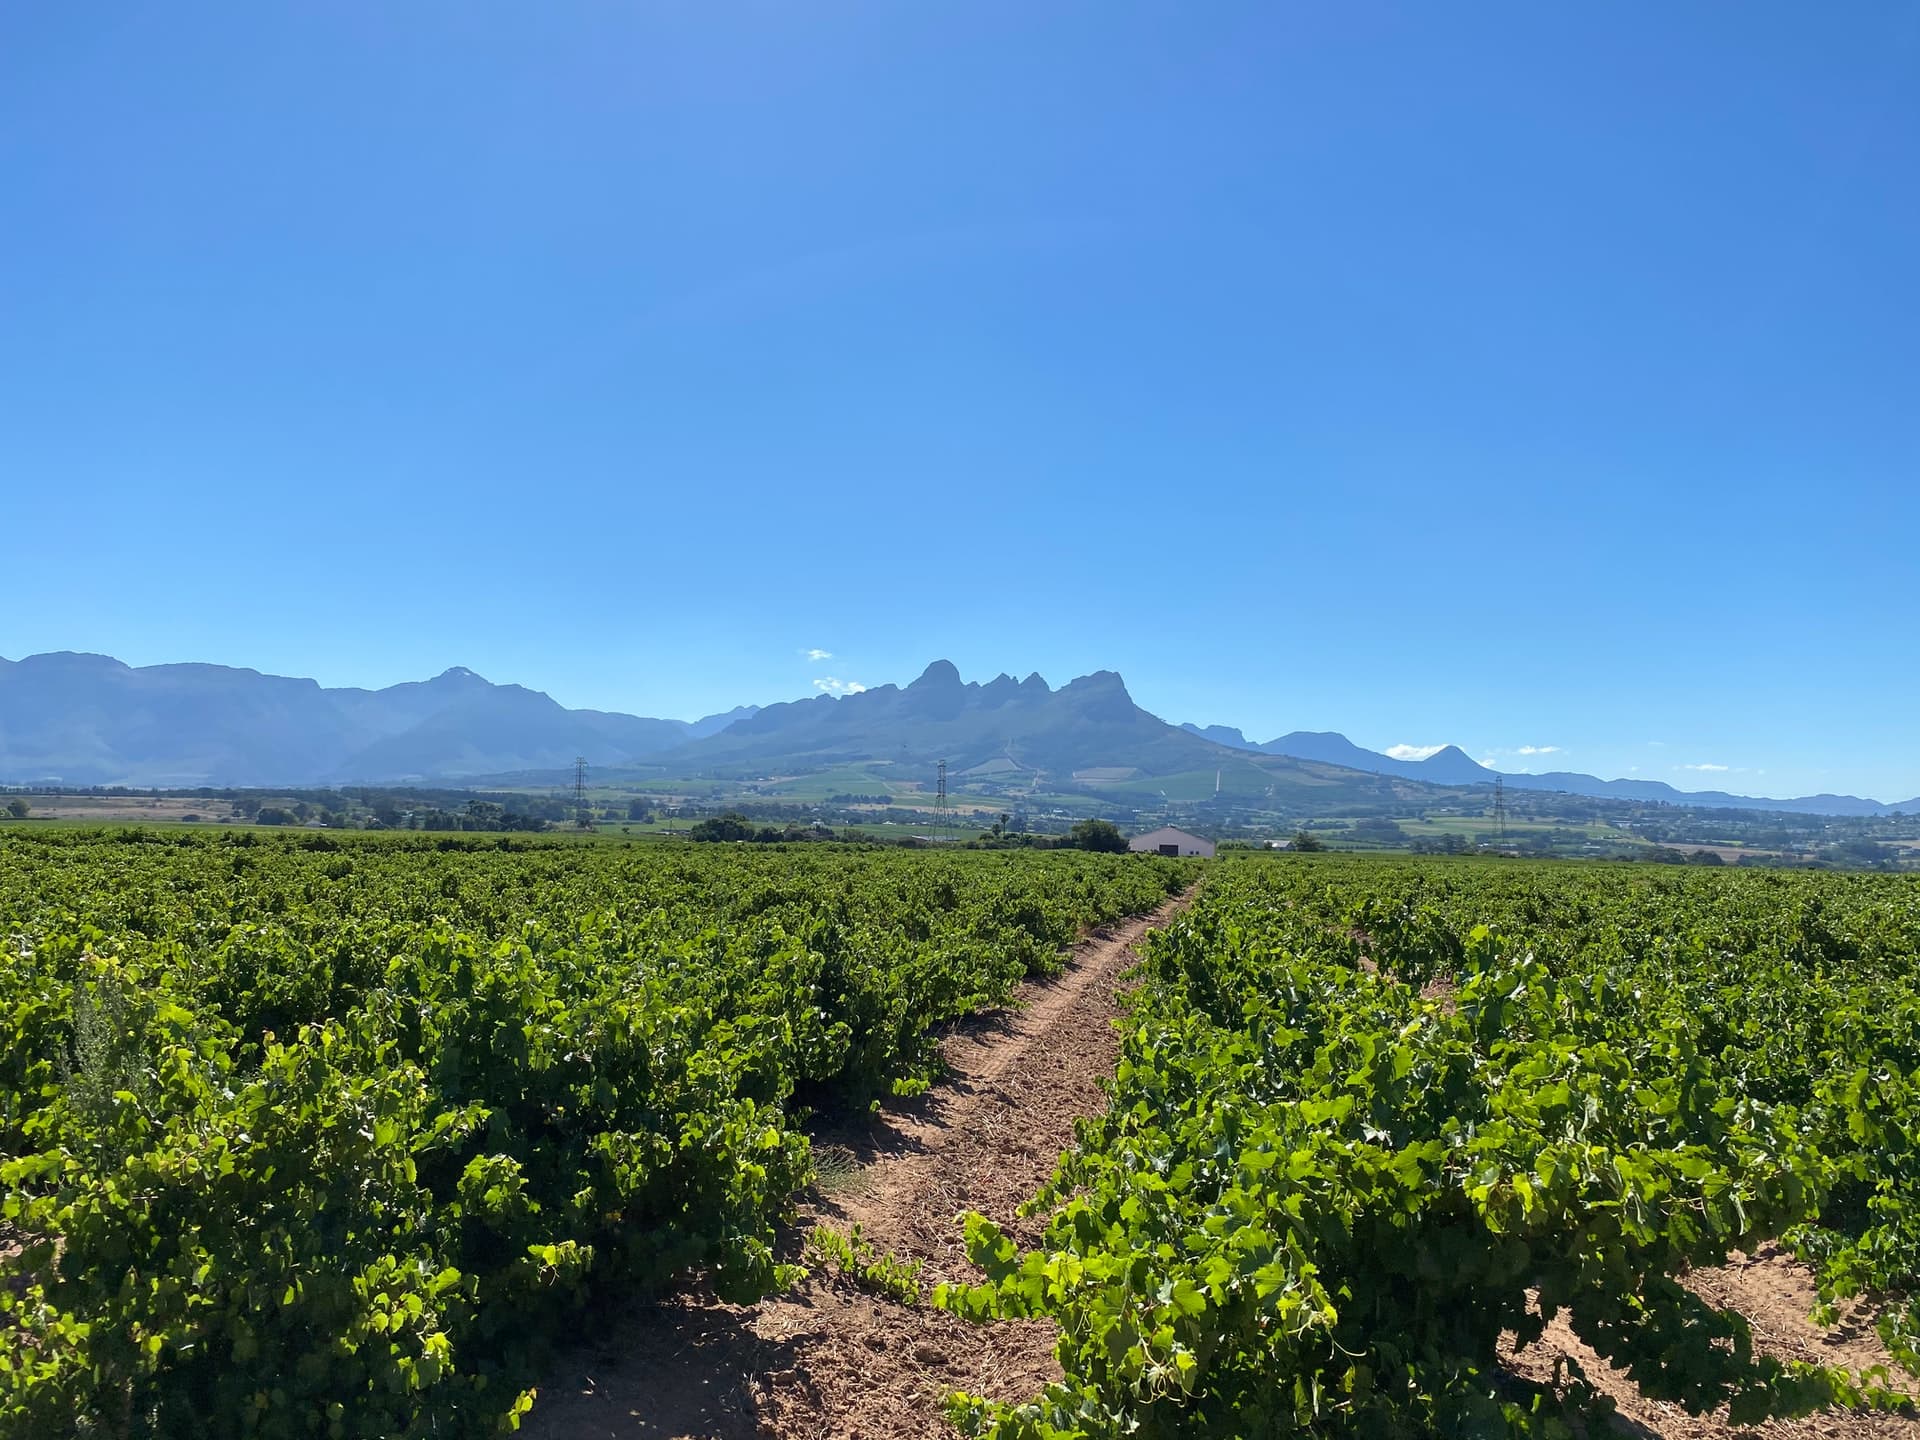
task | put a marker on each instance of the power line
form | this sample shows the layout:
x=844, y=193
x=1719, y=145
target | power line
x=581, y=816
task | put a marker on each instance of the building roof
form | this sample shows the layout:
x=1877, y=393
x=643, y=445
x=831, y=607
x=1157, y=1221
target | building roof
x=1173, y=830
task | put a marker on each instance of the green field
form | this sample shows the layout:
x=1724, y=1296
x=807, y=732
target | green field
x=1194, y=785
x=1480, y=827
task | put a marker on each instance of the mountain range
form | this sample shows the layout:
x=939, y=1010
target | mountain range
x=79, y=719
x=1450, y=765
x=91, y=720
x=1005, y=727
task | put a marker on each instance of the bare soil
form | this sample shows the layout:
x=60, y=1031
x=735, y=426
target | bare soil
x=1776, y=1294
x=12, y=1243
x=831, y=1360
x=116, y=808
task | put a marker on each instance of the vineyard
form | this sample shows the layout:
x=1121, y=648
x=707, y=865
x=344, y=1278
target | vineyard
x=303, y=1136
x=310, y=1136
x=1376, y=1123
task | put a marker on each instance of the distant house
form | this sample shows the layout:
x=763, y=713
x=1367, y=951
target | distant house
x=1169, y=841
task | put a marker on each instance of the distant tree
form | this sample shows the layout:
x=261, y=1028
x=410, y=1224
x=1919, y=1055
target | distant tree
x=637, y=810
x=19, y=808
x=1307, y=842
x=1101, y=836
x=730, y=826
x=1706, y=857
x=1860, y=852
x=273, y=815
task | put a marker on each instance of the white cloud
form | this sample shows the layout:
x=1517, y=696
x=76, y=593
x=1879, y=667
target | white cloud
x=831, y=685
x=1412, y=752
x=1716, y=769
x=1511, y=759
x=817, y=655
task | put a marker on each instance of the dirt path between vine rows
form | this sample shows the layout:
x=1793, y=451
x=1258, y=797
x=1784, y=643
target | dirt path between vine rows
x=829, y=1359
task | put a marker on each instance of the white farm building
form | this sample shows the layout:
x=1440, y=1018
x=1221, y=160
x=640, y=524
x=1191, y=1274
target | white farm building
x=1169, y=841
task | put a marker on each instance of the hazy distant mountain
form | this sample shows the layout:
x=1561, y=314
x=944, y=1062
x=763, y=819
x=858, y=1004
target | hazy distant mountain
x=1657, y=790
x=88, y=719
x=508, y=727
x=1004, y=727
x=1018, y=734
x=91, y=720
x=714, y=724
x=1451, y=765
x=1220, y=735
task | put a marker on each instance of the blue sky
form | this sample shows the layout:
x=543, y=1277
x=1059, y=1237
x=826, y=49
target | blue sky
x=1506, y=374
